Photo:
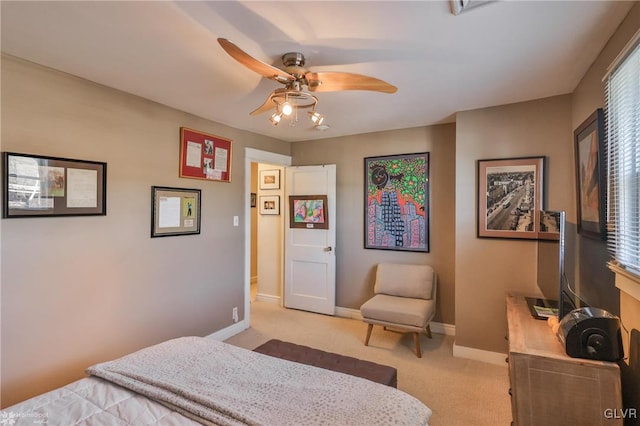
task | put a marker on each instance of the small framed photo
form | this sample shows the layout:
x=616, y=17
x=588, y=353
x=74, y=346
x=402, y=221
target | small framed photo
x=253, y=200
x=270, y=179
x=270, y=204
x=308, y=211
x=174, y=211
x=510, y=197
x=39, y=186
x=590, y=178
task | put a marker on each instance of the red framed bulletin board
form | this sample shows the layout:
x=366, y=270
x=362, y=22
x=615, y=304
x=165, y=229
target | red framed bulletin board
x=204, y=156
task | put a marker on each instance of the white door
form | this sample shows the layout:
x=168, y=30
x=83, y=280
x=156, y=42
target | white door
x=310, y=261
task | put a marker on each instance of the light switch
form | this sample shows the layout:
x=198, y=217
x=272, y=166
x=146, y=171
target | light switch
x=235, y=221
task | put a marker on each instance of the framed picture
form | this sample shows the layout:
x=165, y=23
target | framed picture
x=510, y=197
x=270, y=179
x=308, y=211
x=550, y=223
x=253, y=200
x=270, y=204
x=590, y=177
x=204, y=156
x=396, y=190
x=37, y=186
x=174, y=211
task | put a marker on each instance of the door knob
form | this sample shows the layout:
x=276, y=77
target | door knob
x=328, y=249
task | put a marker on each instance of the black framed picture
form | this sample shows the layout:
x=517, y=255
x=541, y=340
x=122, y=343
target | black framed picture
x=39, y=186
x=397, y=202
x=174, y=211
x=590, y=176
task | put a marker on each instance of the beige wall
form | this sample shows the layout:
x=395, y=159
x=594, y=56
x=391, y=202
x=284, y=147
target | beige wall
x=588, y=96
x=355, y=265
x=78, y=290
x=270, y=242
x=487, y=269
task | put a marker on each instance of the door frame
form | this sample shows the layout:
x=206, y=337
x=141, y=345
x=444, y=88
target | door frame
x=252, y=155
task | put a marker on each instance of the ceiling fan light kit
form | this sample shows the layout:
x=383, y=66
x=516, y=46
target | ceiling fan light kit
x=288, y=100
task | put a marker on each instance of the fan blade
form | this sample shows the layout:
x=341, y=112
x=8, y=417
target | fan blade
x=253, y=64
x=266, y=106
x=336, y=81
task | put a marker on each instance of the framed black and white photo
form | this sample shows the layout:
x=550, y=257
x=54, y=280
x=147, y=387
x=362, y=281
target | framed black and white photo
x=510, y=197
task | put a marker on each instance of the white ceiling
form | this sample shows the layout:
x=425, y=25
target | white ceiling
x=494, y=54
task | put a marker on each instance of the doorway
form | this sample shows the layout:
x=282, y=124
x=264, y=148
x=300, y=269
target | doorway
x=265, y=246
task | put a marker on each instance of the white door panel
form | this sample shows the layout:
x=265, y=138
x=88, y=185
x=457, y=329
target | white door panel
x=310, y=253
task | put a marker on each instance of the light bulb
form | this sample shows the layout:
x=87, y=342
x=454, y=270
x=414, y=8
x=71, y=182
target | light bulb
x=316, y=117
x=287, y=109
x=275, y=118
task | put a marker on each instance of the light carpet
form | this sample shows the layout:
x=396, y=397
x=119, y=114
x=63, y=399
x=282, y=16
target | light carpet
x=460, y=392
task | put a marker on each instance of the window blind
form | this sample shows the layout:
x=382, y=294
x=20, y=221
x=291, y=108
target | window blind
x=622, y=127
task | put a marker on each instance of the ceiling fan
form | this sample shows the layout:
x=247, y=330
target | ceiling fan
x=295, y=77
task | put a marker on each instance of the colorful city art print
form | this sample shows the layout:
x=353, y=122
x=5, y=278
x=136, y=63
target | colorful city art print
x=510, y=197
x=397, y=202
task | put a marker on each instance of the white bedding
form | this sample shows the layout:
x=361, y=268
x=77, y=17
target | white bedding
x=216, y=383
x=91, y=401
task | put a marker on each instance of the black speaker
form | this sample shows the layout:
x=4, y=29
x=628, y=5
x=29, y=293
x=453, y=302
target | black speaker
x=591, y=333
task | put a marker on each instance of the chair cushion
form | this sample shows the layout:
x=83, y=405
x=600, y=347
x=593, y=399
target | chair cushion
x=399, y=310
x=397, y=279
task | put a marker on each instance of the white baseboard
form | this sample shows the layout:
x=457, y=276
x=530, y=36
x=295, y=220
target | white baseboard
x=436, y=327
x=348, y=313
x=230, y=331
x=442, y=328
x=496, y=358
x=261, y=297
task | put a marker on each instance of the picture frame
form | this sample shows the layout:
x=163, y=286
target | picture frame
x=174, y=211
x=590, y=176
x=308, y=212
x=270, y=204
x=509, y=197
x=204, y=156
x=396, y=200
x=270, y=179
x=42, y=186
x=252, y=200
x=550, y=223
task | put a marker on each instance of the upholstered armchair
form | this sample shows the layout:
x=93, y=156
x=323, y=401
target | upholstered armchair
x=405, y=300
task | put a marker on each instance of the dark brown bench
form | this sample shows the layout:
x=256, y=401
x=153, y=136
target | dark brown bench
x=344, y=364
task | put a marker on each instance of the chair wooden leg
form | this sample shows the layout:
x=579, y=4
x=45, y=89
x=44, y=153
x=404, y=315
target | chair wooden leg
x=369, y=328
x=428, y=330
x=416, y=338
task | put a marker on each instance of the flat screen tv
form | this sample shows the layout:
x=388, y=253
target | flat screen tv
x=551, y=268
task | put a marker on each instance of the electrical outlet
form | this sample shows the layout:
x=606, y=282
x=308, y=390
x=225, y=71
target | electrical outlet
x=234, y=314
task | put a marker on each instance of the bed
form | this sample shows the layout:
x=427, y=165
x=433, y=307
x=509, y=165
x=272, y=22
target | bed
x=195, y=380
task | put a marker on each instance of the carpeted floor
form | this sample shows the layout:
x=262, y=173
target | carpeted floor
x=460, y=392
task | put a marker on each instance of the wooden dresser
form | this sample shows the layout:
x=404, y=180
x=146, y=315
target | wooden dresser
x=550, y=388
